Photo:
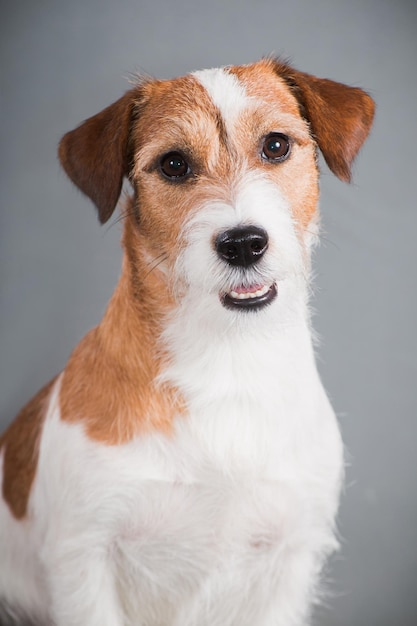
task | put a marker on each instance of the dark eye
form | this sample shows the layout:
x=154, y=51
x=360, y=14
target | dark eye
x=276, y=147
x=173, y=165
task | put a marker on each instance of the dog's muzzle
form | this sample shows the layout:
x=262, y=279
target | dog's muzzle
x=243, y=247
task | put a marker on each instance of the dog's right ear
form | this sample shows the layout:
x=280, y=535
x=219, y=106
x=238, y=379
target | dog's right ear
x=96, y=154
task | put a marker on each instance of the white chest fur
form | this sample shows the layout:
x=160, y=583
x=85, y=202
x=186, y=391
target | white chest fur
x=243, y=496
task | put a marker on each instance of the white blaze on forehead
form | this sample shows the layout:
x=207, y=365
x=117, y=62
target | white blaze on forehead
x=226, y=92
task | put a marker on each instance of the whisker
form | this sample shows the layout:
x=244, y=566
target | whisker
x=161, y=256
x=333, y=243
x=155, y=263
x=322, y=238
x=121, y=217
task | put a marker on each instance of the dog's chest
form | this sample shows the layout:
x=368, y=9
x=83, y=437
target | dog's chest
x=247, y=475
x=199, y=536
x=204, y=540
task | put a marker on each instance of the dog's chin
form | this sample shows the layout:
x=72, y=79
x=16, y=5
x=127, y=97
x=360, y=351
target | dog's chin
x=251, y=298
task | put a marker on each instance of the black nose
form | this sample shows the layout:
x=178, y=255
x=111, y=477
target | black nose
x=242, y=246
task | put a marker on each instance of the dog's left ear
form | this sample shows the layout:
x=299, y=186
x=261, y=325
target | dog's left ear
x=96, y=154
x=340, y=117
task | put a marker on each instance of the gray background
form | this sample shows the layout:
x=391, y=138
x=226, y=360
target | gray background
x=63, y=61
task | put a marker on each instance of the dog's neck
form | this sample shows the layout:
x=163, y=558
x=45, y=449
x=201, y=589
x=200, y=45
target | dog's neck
x=122, y=358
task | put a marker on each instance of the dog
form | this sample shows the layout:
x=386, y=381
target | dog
x=185, y=467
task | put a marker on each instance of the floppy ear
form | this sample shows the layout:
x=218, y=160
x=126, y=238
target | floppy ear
x=96, y=154
x=340, y=117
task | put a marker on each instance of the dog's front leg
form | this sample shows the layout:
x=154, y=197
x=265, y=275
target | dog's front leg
x=83, y=590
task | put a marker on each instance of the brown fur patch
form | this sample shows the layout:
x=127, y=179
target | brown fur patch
x=178, y=115
x=260, y=82
x=20, y=444
x=109, y=382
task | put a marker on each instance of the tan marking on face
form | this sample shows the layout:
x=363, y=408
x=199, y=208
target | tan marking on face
x=178, y=116
x=263, y=84
x=20, y=444
x=277, y=110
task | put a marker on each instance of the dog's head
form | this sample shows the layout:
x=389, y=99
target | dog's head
x=223, y=164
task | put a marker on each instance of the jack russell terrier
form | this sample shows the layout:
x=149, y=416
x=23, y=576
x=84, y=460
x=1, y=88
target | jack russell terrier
x=185, y=467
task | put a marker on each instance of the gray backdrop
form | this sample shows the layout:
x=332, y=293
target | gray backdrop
x=63, y=61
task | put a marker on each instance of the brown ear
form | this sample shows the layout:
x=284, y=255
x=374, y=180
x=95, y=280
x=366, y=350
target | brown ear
x=95, y=155
x=340, y=116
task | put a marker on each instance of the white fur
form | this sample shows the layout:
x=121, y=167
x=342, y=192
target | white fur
x=227, y=521
x=226, y=92
x=257, y=202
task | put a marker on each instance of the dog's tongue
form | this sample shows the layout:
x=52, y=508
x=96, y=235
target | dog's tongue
x=250, y=289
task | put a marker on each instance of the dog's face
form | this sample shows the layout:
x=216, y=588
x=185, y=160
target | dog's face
x=223, y=164
x=215, y=160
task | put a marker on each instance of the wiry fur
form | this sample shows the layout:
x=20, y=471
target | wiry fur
x=189, y=463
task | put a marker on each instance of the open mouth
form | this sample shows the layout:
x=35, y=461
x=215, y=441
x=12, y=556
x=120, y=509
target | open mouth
x=250, y=298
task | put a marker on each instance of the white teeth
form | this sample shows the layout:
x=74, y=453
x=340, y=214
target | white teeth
x=250, y=294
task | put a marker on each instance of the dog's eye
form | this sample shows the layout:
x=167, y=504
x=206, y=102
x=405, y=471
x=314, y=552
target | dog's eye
x=173, y=165
x=276, y=147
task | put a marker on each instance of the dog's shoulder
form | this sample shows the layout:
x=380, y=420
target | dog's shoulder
x=20, y=446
